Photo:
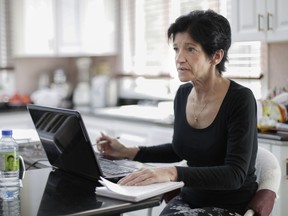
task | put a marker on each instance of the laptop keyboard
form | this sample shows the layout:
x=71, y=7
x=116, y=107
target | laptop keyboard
x=112, y=168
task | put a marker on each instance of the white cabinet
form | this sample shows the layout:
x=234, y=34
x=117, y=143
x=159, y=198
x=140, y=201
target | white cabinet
x=99, y=27
x=86, y=26
x=68, y=26
x=64, y=27
x=131, y=133
x=277, y=20
x=280, y=150
x=16, y=120
x=259, y=20
x=33, y=27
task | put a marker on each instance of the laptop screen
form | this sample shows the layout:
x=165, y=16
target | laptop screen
x=65, y=140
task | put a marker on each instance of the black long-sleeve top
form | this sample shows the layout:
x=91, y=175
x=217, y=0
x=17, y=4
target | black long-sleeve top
x=220, y=158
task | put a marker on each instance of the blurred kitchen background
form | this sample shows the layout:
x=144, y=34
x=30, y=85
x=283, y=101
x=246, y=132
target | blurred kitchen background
x=106, y=53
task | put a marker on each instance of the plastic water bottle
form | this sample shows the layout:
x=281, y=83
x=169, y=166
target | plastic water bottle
x=9, y=167
x=10, y=207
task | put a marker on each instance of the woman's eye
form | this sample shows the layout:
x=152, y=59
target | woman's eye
x=192, y=49
x=175, y=49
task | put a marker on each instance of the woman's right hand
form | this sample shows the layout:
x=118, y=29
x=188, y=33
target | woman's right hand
x=113, y=149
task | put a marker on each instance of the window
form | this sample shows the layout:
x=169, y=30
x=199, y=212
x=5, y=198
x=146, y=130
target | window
x=145, y=48
x=144, y=45
x=6, y=76
x=5, y=34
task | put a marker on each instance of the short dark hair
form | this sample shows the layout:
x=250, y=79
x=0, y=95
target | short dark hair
x=208, y=28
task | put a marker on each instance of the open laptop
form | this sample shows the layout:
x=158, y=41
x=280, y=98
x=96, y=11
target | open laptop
x=67, y=145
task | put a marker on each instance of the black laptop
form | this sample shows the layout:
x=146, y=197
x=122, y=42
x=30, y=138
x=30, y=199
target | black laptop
x=67, y=145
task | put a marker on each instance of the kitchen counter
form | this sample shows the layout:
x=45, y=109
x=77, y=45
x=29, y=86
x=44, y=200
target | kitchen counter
x=151, y=114
x=274, y=136
x=162, y=114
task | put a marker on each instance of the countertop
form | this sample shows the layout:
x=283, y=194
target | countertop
x=274, y=136
x=161, y=114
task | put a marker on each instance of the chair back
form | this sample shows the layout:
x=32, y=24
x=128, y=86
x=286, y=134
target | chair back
x=267, y=170
x=268, y=174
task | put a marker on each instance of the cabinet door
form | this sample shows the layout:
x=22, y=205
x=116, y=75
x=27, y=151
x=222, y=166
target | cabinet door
x=65, y=27
x=160, y=135
x=277, y=20
x=33, y=27
x=68, y=26
x=281, y=152
x=133, y=133
x=86, y=27
x=18, y=120
x=98, y=26
x=248, y=20
x=95, y=126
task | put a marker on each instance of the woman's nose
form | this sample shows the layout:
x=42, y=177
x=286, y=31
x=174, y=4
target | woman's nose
x=180, y=57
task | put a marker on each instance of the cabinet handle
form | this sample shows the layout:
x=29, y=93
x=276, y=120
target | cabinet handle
x=286, y=168
x=269, y=26
x=260, y=17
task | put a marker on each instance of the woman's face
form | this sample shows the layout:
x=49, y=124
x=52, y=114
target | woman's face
x=191, y=61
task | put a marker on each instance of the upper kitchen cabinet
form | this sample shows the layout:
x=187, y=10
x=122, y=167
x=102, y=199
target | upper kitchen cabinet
x=65, y=27
x=259, y=20
x=33, y=27
x=99, y=27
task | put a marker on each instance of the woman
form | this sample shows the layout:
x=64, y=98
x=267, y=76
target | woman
x=215, y=127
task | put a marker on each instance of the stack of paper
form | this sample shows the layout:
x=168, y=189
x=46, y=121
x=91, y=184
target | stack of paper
x=135, y=193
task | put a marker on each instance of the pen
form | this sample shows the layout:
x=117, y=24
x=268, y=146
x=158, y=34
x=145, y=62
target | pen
x=102, y=142
x=105, y=141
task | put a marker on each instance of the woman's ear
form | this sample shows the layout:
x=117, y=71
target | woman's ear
x=217, y=57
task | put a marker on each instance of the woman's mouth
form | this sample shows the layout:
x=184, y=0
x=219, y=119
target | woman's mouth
x=181, y=69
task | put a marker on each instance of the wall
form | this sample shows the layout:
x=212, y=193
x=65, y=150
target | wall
x=278, y=65
x=274, y=68
x=28, y=70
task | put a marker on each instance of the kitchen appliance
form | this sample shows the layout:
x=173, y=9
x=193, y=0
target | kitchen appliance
x=103, y=91
x=81, y=96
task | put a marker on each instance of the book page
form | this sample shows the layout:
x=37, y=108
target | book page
x=136, y=193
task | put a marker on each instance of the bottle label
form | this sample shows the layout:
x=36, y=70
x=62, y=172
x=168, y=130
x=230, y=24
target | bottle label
x=11, y=161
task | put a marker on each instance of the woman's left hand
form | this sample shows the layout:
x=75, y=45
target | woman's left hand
x=146, y=176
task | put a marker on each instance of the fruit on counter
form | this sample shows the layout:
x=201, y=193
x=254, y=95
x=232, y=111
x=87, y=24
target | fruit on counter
x=18, y=100
x=269, y=113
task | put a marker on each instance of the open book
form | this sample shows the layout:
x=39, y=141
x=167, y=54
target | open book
x=135, y=193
